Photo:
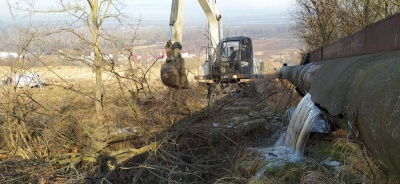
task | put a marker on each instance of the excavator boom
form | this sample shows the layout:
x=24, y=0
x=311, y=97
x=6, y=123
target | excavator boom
x=176, y=21
x=213, y=17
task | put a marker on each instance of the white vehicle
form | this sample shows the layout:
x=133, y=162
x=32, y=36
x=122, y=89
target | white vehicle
x=22, y=80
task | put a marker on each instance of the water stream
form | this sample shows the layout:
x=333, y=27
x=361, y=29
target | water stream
x=290, y=145
x=301, y=124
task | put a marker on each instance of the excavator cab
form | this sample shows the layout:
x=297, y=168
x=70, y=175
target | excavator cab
x=234, y=60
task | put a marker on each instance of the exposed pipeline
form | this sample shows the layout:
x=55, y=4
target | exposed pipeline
x=364, y=91
x=300, y=75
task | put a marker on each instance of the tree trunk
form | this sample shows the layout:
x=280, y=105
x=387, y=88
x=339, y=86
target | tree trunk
x=97, y=61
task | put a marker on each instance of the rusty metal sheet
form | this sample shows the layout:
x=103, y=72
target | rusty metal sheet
x=381, y=36
x=348, y=46
x=316, y=55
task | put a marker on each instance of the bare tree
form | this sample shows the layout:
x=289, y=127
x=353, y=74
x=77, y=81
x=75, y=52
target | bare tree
x=315, y=22
x=93, y=14
x=354, y=15
x=319, y=23
x=85, y=24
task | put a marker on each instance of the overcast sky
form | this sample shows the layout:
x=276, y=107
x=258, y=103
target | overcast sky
x=157, y=11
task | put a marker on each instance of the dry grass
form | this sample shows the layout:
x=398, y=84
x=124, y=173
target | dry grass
x=58, y=124
x=170, y=136
x=150, y=134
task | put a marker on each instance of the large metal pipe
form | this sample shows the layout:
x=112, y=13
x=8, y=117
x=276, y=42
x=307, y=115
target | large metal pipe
x=300, y=75
x=364, y=91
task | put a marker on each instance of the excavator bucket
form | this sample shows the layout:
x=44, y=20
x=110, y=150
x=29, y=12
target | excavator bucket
x=173, y=72
x=173, y=75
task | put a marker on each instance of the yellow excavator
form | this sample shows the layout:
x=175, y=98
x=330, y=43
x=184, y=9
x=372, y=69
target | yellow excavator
x=229, y=60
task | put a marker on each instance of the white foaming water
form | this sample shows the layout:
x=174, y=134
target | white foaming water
x=305, y=130
x=300, y=116
x=290, y=145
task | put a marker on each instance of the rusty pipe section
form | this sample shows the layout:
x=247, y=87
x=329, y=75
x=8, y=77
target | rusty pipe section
x=365, y=92
x=299, y=75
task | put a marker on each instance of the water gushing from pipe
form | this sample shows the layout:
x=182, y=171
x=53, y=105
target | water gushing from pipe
x=290, y=146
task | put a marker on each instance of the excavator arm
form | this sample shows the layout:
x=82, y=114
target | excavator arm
x=173, y=72
x=176, y=21
x=215, y=26
x=213, y=17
